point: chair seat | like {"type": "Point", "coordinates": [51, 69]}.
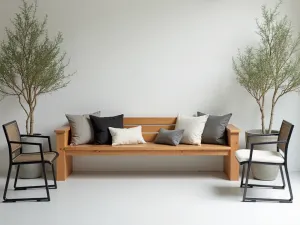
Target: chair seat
{"type": "Point", "coordinates": [243, 155]}
{"type": "Point", "coordinates": [49, 157]}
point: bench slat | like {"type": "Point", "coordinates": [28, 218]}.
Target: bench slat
{"type": "Point", "coordinates": [149, 120]}
{"type": "Point", "coordinates": [152, 128]}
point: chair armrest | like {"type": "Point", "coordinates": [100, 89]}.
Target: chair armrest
{"type": "Point", "coordinates": [263, 135]}
{"type": "Point", "coordinates": [25, 143]}
{"type": "Point", "coordinates": [262, 143]}
{"type": "Point", "coordinates": [39, 136]}
{"type": "Point", "coordinates": [35, 135]}
{"type": "Point", "coordinates": [268, 143]}
{"type": "Point", "coordinates": [30, 143]}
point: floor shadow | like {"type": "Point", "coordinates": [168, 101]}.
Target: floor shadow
{"type": "Point", "coordinates": [228, 191]}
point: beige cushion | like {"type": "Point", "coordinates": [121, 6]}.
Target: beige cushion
{"type": "Point", "coordinates": [81, 128]}
{"type": "Point", "coordinates": [35, 157]}
{"type": "Point", "coordinates": [193, 128]}
{"type": "Point", "coordinates": [126, 136]}
{"type": "Point", "coordinates": [243, 155]}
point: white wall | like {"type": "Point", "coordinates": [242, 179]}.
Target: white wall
{"type": "Point", "coordinates": [152, 58]}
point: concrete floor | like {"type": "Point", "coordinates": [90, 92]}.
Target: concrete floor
{"type": "Point", "coordinates": [149, 199]}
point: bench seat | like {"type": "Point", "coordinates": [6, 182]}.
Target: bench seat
{"type": "Point", "coordinates": [150, 127]}
{"type": "Point", "coordinates": [149, 148]}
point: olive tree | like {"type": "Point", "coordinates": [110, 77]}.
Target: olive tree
{"type": "Point", "coordinates": [31, 64]}
{"type": "Point", "coordinates": [273, 65]}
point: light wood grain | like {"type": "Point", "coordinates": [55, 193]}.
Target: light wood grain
{"type": "Point", "coordinates": [129, 152]}
{"type": "Point", "coordinates": [149, 120]}
{"type": "Point", "coordinates": [149, 137]}
{"type": "Point", "coordinates": [149, 146]}
{"type": "Point", "coordinates": [232, 129]}
{"type": "Point", "coordinates": [62, 130]}
{"type": "Point", "coordinates": [152, 128]}
{"type": "Point", "coordinates": [64, 163]}
{"type": "Point", "coordinates": [231, 165]}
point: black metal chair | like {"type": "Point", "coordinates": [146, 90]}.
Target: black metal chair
{"type": "Point", "coordinates": [17, 157]}
{"type": "Point", "coordinates": [251, 156]}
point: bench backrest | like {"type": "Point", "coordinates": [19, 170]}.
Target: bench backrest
{"type": "Point", "coordinates": [150, 125]}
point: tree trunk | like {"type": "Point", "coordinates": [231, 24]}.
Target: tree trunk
{"type": "Point", "coordinates": [27, 125]}
{"type": "Point", "coordinates": [262, 113]}
{"type": "Point", "coordinates": [272, 111]}
{"type": "Point", "coordinates": [31, 123]}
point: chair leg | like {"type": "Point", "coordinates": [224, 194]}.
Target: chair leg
{"type": "Point", "coordinates": [245, 199]}
{"type": "Point", "coordinates": [282, 178]}
{"type": "Point", "coordinates": [46, 182]}
{"type": "Point", "coordinates": [289, 184]}
{"type": "Point", "coordinates": [243, 174]}
{"type": "Point", "coordinates": [16, 177]}
{"type": "Point", "coordinates": [54, 176]}
{"type": "Point", "coordinates": [269, 186]}
{"type": "Point", "coordinates": [246, 183]}
{"type": "Point", "coordinates": [22, 188]}
{"type": "Point", "coordinates": [7, 182]}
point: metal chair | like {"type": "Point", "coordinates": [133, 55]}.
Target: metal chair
{"type": "Point", "coordinates": [17, 157]}
{"type": "Point", "coordinates": [250, 156]}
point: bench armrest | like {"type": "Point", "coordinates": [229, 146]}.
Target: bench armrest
{"type": "Point", "coordinates": [233, 136]}
{"type": "Point", "coordinates": [62, 130]}
{"type": "Point", "coordinates": [62, 137]}
{"type": "Point", "coordinates": [232, 129]}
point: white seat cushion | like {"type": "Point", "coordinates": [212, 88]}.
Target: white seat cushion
{"type": "Point", "coordinates": [243, 155]}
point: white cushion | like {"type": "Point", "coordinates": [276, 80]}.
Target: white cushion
{"type": "Point", "coordinates": [193, 128]}
{"type": "Point", "coordinates": [243, 155]}
{"type": "Point", "coordinates": [126, 136]}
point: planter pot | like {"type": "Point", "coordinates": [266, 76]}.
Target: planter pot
{"type": "Point", "coordinates": [31, 171]}
{"type": "Point", "coordinates": [259, 171]}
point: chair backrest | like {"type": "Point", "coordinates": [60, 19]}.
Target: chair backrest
{"type": "Point", "coordinates": [285, 133]}
{"type": "Point", "coordinates": [12, 133]}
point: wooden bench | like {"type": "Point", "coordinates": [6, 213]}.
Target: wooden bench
{"type": "Point", "coordinates": [150, 127]}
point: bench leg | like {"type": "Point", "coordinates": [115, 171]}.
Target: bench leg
{"type": "Point", "coordinates": [64, 162]}
{"type": "Point", "coordinates": [64, 166]}
{"type": "Point", "coordinates": [231, 165]}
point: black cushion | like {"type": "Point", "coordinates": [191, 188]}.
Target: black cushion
{"type": "Point", "coordinates": [215, 129]}
{"type": "Point", "coordinates": [100, 126]}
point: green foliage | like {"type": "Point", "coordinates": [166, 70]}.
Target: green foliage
{"type": "Point", "coordinates": [31, 63]}
{"type": "Point", "coordinates": [272, 65]}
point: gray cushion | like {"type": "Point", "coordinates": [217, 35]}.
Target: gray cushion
{"type": "Point", "coordinates": [169, 137]}
{"type": "Point", "coordinates": [215, 129]}
{"type": "Point", "coordinates": [81, 128]}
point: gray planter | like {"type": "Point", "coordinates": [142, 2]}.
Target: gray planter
{"type": "Point", "coordinates": [262, 172]}
{"type": "Point", "coordinates": [31, 171]}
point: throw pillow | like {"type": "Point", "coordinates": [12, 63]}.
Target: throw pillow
{"type": "Point", "coordinates": [81, 128]}
{"type": "Point", "coordinates": [127, 136]}
{"type": "Point", "coordinates": [193, 128]}
{"type": "Point", "coordinates": [215, 129]}
{"type": "Point", "coordinates": [169, 137]}
{"type": "Point", "coordinates": [101, 125]}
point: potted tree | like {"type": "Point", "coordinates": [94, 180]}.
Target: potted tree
{"type": "Point", "coordinates": [31, 64]}
{"type": "Point", "coordinates": [271, 66]}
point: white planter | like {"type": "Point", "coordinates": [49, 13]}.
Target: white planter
{"type": "Point", "coordinates": [259, 171]}
{"type": "Point", "coordinates": [30, 171]}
